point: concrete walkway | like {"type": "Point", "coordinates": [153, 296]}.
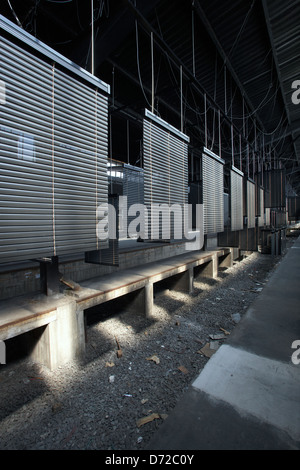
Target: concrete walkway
{"type": "Point", "coordinates": [248, 394]}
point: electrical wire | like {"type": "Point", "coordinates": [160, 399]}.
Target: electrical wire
{"type": "Point", "coordinates": [261, 104]}
{"type": "Point", "coordinates": [138, 63]}
{"type": "Point", "coordinates": [241, 29]}
{"type": "Point", "coordinates": [78, 16]}
{"type": "Point", "coordinates": [59, 1]}
{"type": "Point", "coordinates": [14, 13]}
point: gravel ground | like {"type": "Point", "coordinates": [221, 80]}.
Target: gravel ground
{"type": "Point", "coordinates": [104, 401]}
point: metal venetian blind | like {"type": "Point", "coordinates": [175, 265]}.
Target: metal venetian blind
{"type": "Point", "coordinates": [236, 200]}
{"type": "Point", "coordinates": [261, 218]}
{"type": "Point", "coordinates": [26, 228]}
{"type": "Point", "coordinates": [274, 183]}
{"type": "Point", "coordinates": [53, 157]}
{"type": "Point", "coordinates": [133, 187]}
{"type": "Point", "coordinates": [293, 206]}
{"type": "Point", "coordinates": [80, 168]}
{"type": "Point", "coordinates": [165, 171]}
{"type": "Point", "coordinates": [250, 204]}
{"type": "Point", "coordinates": [213, 189]}
{"type": "Point", "coordinates": [267, 216]}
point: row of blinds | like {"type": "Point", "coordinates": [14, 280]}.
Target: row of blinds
{"type": "Point", "coordinates": [165, 177]}
{"type": "Point", "coordinates": [250, 204]}
{"type": "Point", "coordinates": [213, 189]}
{"type": "Point", "coordinates": [53, 147]}
{"type": "Point", "coordinates": [236, 202]}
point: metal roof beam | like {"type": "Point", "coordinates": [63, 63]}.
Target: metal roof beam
{"type": "Point", "coordinates": [164, 47]}
{"type": "Point", "coordinates": [269, 28]}
{"type": "Point", "coordinates": [203, 18]}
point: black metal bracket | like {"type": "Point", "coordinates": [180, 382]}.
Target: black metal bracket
{"type": "Point", "coordinates": [49, 275]}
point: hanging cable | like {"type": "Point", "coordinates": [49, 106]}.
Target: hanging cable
{"type": "Point", "coordinates": [241, 29]}
{"type": "Point", "coordinates": [220, 146]}
{"type": "Point", "coordinates": [14, 13]}
{"type": "Point", "coordinates": [181, 102]}
{"type": "Point", "coordinates": [205, 120]}
{"type": "Point", "coordinates": [232, 148]}
{"type": "Point", "coordinates": [96, 157]}
{"type": "Point", "coordinates": [113, 87]}
{"type": "Point", "coordinates": [193, 39]}
{"type": "Point", "coordinates": [241, 168]}
{"type": "Point", "coordinates": [138, 63]}
{"type": "Point", "coordinates": [92, 37]}
{"type": "Point", "coordinates": [215, 96]}
{"type": "Point", "coordinates": [225, 91]}
{"type": "Point", "coordinates": [128, 142]}
{"type": "Point", "coordinates": [152, 74]}
{"type": "Point", "coordinates": [59, 1]}
{"type": "Point", "coordinates": [53, 157]}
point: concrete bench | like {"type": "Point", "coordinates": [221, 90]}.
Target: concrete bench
{"type": "Point", "coordinates": [61, 318]}
{"type": "Point", "coordinates": [55, 319]}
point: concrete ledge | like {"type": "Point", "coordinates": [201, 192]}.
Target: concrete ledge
{"type": "Point", "coordinates": [63, 336]}
{"type": "Point", "coordinates": [102, 289]}
{"type": "Point", "coordinates": [22, 314]}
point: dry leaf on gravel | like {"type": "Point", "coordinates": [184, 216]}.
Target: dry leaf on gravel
{"type": "Point", "coordinates": [154, 358]}
{"type": "Point", "coordinates": [147, 419]}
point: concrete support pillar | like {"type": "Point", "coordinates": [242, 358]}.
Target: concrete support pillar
{"type": "Point", "coordinates": [184, 282]}
{"type": "Point", "coordinates": [61, 340]}
{"type": "Point", "coordinates": [141, 301]}
{"type": "Point", "coordinates": [148, 299]}
{"type": "Point", "coordinates": [209, 269]}
{"type": "Point", "coordinates": [226, 261]}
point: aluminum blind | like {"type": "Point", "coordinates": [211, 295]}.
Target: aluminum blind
{"type": "Point", "coordinates": [274, 183]}
{"type": "Point", "coordinates": [80, 163]}
{"type": "Point", "coordinates": [293, 206]}
{"type": "Point", "coordinates": [261, 218]}
{"type": "Point", "coordinates": [213, 189]}
{"type": "Point", "coordinates": [236, 199]}
{"type": "Point", "coordinates": [133, 188]}
{"type": "Point", "coordinates": [53, 153]}
{"type": "Point", "coordinates": [165, 171]}
{"type": "Point", "coordinates": [267, 216]}
{"type": "Point", "coordinates": [250, 204]}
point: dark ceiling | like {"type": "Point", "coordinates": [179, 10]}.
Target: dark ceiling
{"type": "Point", "coordinates": [223, 71]}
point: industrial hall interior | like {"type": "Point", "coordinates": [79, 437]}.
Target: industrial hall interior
{"type": "Point", "coordinates": [151, 146]}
